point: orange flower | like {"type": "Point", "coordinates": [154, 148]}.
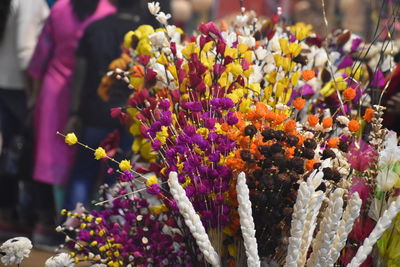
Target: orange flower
{"type": "Point", "coordinates": [279, 119]}
{"type": "Point", "coordinates": [225, 127]}
{"type": "Point", "coordinates": [312, 120]}
{"type": "Point", "coordinates": [137, 71]}
{"type": "Point", "coordinates": [369, 114]}
{"type": "Point", "coordinates": [270, 116]}
{"type": "Point", "coordinates": [327, 122]}
{"type": "Point", "coordinates": [299, 103]}
{"type": "Point", "coordinates": [333, 142]}
{"type": "Point", "coordinates": [354, 126]}
{"type": "Point", "coordinates": [261, 109]}
{"type": "Point", "coordinates": [301, 140]}
{"type": "Point", "coordinates": [349, 94]}
{"type": "Point", "coordinates": [308, 74]}
{"type": "Point", "coordinates": [310, 164]}
{"type": "Point", "coordinates": [290, 126]}
{"type": "Point", "coordinates": [289, 151]}
{"type": "Point", "coordinates": [252, 115]}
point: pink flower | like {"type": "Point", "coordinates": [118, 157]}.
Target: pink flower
{"type": "Point", "coordinates": [362, 227]}
{"type": "Point", "coordinates": [210, 27]}
{"type": "Point", "coordinates": [361, 187]}
{"type": "Point", "coordinates": [361, 155]}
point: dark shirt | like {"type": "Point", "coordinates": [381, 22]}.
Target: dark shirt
{"type": "Point", "coordinates": [99, 46]}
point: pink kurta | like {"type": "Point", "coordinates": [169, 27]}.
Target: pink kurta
{"type": "Point", "coordinates": [53, 62]}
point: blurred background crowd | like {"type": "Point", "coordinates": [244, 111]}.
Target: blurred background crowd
{"type": "Point", "coordinates": [53, 55]}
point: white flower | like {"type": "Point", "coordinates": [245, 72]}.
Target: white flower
{"type": "Point", "coordinates": [229, 37]}
{"type": "Point", "coordinates": [15, 249]}
{"type": "Point", "coordinates": [98, 265]}
{"type": "Point", "coordinates": [386, 179]}
{"type": "Point", "coordinates": [158, 40]}
{"type": "Point", "coordinates": [343, 120]}
{"type": "Point", "coordinates": [261, 53]}
{"type": "Point", "coordinates": [320, 58]}
{"type": "Point", "coordinates": [391, 153]}
{"type": "Point", "coordinates": [60, 260]}
{"type": "Point", "coordinates": [154, 7]}
{"type": "Point", "coordinates": [173, 34]}
{"type": "Point", "coordinates": [242, 20]}
{"type": "Point", "coordinates": [280, 106]}
{"type": "Point", "coordinates": [162, 18]}
{"type": "Point", "coordinates": [249, 41]}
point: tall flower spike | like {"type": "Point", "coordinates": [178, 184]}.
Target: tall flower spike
{"type": "Point", "coordinates": [247, 222]}
{"type": "Point", "coordinates": [345, 226]}
{"type": "Point", "coordinates": [382, 225]}
{"type": "Point", "coordinates": [298, 219]}
{"type": "Point", "coordinates": [192, 220]}
{"type": "Point", "coordinates": [323, 241]}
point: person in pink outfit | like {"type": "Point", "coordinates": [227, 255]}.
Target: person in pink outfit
{"type": "Point", "coordinates": [51, 68]}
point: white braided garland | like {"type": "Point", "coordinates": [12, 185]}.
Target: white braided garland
{"type": "Point", "coordinates": [298, 219]}
{"type": "Point", "coordinates": [382, 225]}
{"type": "Point", "coordinates": [323, 242]}
{"type": "Point", "coordinates": [192, 220]}
{"type": "Point", "coordinates": [345, 226]}
{"type": "Point", "coordinates": [246, 222]}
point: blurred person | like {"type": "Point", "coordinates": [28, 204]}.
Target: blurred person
{"type": "Point", "coordinates": [99, 46]}
{"type": "Point", "coordinates": [20, 24]}
{"type": "Point", "coordinates": [51, 68]}
{"type": "Point", "coordinates": [50, 2]}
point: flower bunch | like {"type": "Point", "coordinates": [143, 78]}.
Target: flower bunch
{"type": "Point", "coordinates": [128, 230]}
{"type": "Point", "coordinates": [288, 109]}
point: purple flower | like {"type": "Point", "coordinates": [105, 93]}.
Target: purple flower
{"type": "Point", "coordinates": [153, 189]}
{"type": "Point", "coordinates": [156, 145]}
{"type": "Point", "coordinates": [126, 176]}
{"type": "Point", "coordinates": [378, 79]}
{"type": "Point", "coordinates": [355, 44]}
{"type": "Point", "coordinates": [232, 119]}
{"type": "Point", "coordinates": [347, 61]}
{"type": "Point", "coordinates": [166, 118]}
{"type": "Point", "coordinates": [189, 130]}
{"type": "Point", "coordinates": [209, 123]}
{"type": "Point", "coordinates": [194, 106]}
{"type": "Point", "coordinates": [214, 157]}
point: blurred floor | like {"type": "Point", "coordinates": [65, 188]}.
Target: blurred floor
{"type": "Point", "coordinates": [38, 258]}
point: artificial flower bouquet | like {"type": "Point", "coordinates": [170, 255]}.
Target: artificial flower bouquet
{"type": "Point", "coordinates": [265, 148]}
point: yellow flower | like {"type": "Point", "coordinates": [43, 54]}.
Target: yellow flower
{"type": "Point", "coordinates": [245, 105]}
{"type": "Point", "coordinates": [255, 87]}
{"type": "Point", "coordinates": [162, 135]}
{"type": "Point", "coordinates": [301, 30]}
{"type": "Point", "coordinates": [162, 60]}
{"type": "Point", "coordinates": [284, 44]}
{"type": "Point", "coordinates": [232, 52]}
{"type": "Point", "coordinates": [295, 78]}
{"type": "Point", "coordinates": [144, 47]}
{"type": "Point", "coordinates": [151, 180]}
{"type": "Point", "coordinates": [71, 139]}
{"type": "Point", "coordinates": [190, 49]}
{"type": "Point", "coordinates": [207, 47]}
{"type": "Point", "coordinates": [100, 153]}
{"type": "Point", "coordinates": [128, 39]}
{"type": "Point", "coordinates": [242, 48]}
{"type": "Point", "coordinates": [235, 69]}
{"type": "Point", "coordinates": [125, 165]}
